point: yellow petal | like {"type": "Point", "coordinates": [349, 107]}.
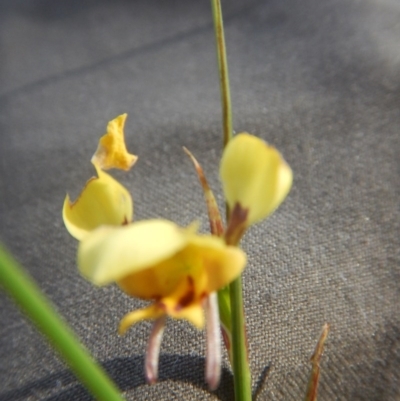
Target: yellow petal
{"type": "Point", "coordinates": [255, 176]}
{"type": "Point", "coordinates": [111, 253]}
{"type": "Point", "coordinates": [222, 263]}
{"type": "Point", "coordinates": [192, 313]}
{"type": "Point", "coordinates": [205, 260]}
{"type": "Point", "coordinates": [102, 201]}
{"type": "Point", "coordinates": [186, 302]}
{"type": "Point", "coordinates": [111, 152]}
{"type": "Point", "coordinates": [156, 281]}
{"type": "Point", "coordinates": [131, 318]}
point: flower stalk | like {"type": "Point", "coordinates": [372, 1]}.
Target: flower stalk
{"type": "Point", "coordinates": [241, 369]}
{"type": "Point", "coordinates": [223, 72]}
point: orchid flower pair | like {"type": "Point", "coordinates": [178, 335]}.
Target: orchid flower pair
{"type": "Point", "coordinates": [176, 268]}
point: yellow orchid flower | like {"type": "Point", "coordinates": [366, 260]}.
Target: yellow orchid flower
{"type": "Point", "coordinates": [256, 180]}
{"type": "Point", "coordinates": [175, 268]}
{"type": "Point", "coordinates": [159, 261]}
{"type": "Point", "coordinates": [103, 201]}
{"type": "Point", "coordinates": [155, 260]}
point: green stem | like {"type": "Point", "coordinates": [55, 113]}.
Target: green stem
{"type": "Point", "coordinates": [241, 369]}
{"type": "Point", "coordinates": [223, 71]}
{"type": "Point", "coordinates": [31, 300]}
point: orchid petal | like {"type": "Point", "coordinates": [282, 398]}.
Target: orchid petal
{"type": "Point", "coordinates": [254, 176]}
{"type": "Point", "coordinates": [111, 152]}
{"type": "Point", "coordinates": [112, 253]}
{"type": "Point", "coordinates": [192, 313]}
{"type": "Point", "coordinates": [222, 263]}
{"type": "Point", "coordinates": [102, 201]}
{"type": "Point", "coordinates": [131, 318]}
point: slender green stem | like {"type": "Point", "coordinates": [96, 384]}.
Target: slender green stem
{"type": "Point", "coordinates": [31, 300]}
{"type": "Point", "coordinates": [241, 369]}
{"type": "Point", "coordinates": [223, 71]}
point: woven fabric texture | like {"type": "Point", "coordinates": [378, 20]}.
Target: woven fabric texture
{"type": "Point", "coordinates": [319, 79]}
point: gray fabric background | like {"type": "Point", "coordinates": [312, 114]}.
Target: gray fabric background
{"type": "Point", "coordinates": [319, 79]}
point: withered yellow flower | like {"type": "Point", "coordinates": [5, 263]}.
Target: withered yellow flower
{"type": "Point", "coordinates": [111, 152]}
{"type": "Point", "coordinates": [159, 261]}
{"type": "Point", "coordinates": [255, 178]}
{"type": "Point", "coordinates": [103, 201]}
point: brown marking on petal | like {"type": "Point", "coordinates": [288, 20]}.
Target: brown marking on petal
{"type": "Point", "coordinates": [125, 222]}
{"type": "Point", "coordinates": [188, 297]}
{"type": "Point", "coordinates": [162, 306]}
{"type": "Point", "coordinates": [203, 295]}
{"type": "Point", "coordinates": [237, 224]}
